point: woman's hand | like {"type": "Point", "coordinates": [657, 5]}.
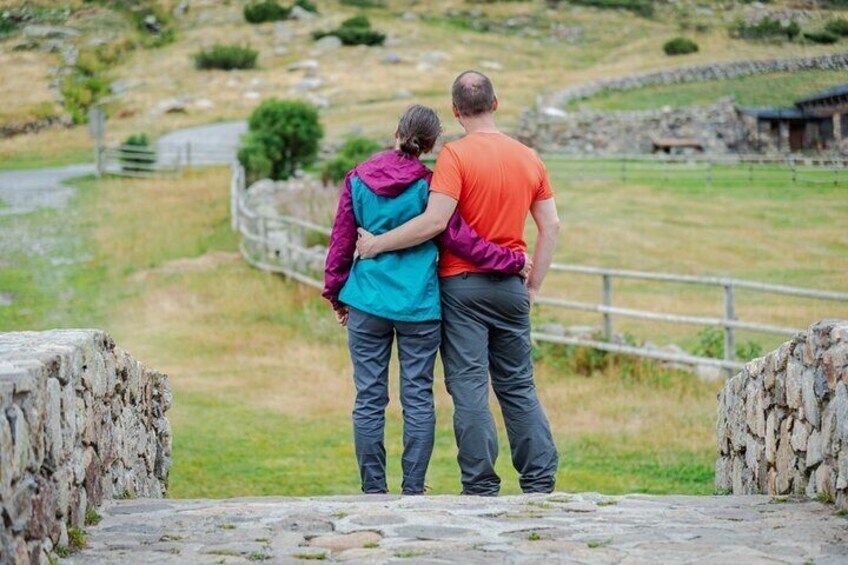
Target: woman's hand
{"type": "Point", "coordinates": [528, 267]}
{"type": "Point", "coordinates": [366, 245]}
{"type": "Point", "coordinates": [342, 315]}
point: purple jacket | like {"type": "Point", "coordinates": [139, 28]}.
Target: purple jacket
{"type": "Point", "coordinates": [388, 174]}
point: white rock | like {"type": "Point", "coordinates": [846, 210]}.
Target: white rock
{"type": "Point", "coordinates": [328, 43]}
{"type": "Point", "coordinates": [300, 14]}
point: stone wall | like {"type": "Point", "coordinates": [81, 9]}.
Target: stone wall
{"type": "Point", "coordinates": [697, 73]}
{"type": "Point", "coordinates": [81, 422]}
{"type": "Point", "coordinates": [783, 421]}
{"type": "Point", "coordinates": [719, 127]}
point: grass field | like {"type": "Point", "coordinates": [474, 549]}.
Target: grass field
{"type": "Point", "coordinates": [261, 374]}
{"type": "Point", "coordinates": [362, 92]}
{"type": "Point", "coordinates": [775, 89]}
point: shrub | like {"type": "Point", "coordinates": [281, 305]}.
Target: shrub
{"type": "Point", "coordinates": [307, 5]}
{"type": "Point", "coordinates": [680, 46]}
{"type": "Point", "coordinates": [641, 7]}
{"type": "Point", "coordinates": [265, 11]}
{"type": "Point", "coordinates": [360, 20]}
{"type": "Point", "coordinates": [138, 155]}
{"type": "Point", "coordinates": [353, 151]}
{"type": "Point", "coordinates": [363, 3]}
{"type": "Point", "coordinates": [355, 31]}
{"type": "Point", "coordinates": [226, 58]}
{"type": "Point", "coordinates": [80, 92]}
{"type": "Point", "coordinates": [282, 136]}
{"type": "Point", "coordinates": [837, 27]}
{"type": "Point", "coordinates": [823, 37]}
{"type": "Point", "coordinates": [766, 28]}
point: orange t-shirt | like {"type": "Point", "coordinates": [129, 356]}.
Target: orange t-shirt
{"type": "Point", "coordinates": [495, 179]}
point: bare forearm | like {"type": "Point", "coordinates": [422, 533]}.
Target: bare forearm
{"type": "Point", "coordinates": [543, 254]}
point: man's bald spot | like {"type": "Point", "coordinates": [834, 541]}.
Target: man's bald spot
{"type": "Point", "coordinates": [473, 94]}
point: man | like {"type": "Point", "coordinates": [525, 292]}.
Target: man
{"type": "Point", "coordinates": [495, 181]}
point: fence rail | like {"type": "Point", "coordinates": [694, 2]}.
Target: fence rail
{"type": "Point", "coordinates": [708, 168]}
{"type": "Point", "coordinates": [278, 244]}
{"type": "Point", "coordinates": [168, 159]}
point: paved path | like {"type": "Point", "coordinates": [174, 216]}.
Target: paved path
{"type": "Point", "coordinates": [212, 144]}
{"type": "Point", "coordinates": [29, 190]}
{"type": "Point", "coordinates": [559, 528]}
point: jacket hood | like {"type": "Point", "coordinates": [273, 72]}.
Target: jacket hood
{"type": "Point", "coordinates": [389, 173]}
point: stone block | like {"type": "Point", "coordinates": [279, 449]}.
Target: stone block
{"type": "Point", "coordinates": [794, 370]}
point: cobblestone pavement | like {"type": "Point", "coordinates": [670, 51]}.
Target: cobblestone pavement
{"type": "Point", "coordinates": [557, 528]}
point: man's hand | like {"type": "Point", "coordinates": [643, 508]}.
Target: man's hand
{"type": "Point", "coordinates": [532, 293]}
{"type": "Point", "coordinates": [528, 267]}
{"type": "Point", "coordinates": [342, 314]}
{"type": "Point", "coordinates": [366, 245]}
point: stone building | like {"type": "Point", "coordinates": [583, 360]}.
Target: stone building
{"type": "Point", "coordinates": [816, 122]}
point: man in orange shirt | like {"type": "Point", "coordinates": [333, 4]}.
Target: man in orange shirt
{"type": "Point", "coordinates": [494, 181]}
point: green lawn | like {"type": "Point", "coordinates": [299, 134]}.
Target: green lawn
{"type": "Point", "coordinates": [774, 89]}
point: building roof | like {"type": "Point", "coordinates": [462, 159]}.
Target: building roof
{"type": "Point", "coordinates": [841, 90]}
{"type": "Point", "coordinates": [775, 113]}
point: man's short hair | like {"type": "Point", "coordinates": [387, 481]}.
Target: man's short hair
{"type": "Point", "coordinates": [473, 94]}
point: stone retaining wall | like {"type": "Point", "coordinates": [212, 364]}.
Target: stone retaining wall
{"type": "Point", "coordinates": [783, 421]}
{"type": "Point", "coordinates": [81, 422]}
{"type": "Point", "coordinates": [718, 127]}
{"type": "Point", "coordinates": [697, 73]}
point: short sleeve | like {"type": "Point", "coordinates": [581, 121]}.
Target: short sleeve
{"type": "Point", "coordinates": [447, 176]}
{"type": "Point", "coordinates": [544, 190]}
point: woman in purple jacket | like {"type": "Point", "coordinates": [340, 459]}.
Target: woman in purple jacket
{"type": "Point", "coordinates": [396, 294]}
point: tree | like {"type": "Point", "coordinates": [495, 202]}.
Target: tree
{"type": "Point", "coordinates": [283, 135]}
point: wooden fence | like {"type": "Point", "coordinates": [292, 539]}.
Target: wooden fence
{"type": "Point", "coordinates": [282, 245]}
{"type": "Point", "coordinates": [740, 169]}
{"type": "Point", "coordinates": [158, 160]}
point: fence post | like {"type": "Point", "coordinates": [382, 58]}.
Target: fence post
{"type": "Point", "coordinates": [729, 314]}
{"type": "Point", "coordinates": [263, 237]}
{"type": "Point", "coordinates": [234, 197]}
{"type": "Point", "coordinates": [607, 298]}
{"type": "Point", "coordinates": [188, 154]}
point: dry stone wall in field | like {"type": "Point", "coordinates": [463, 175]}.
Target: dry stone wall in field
{"type": "Point", "coordinates": [719, 127]}
{"type": "Point", "coordinates": [783, 421]}
{"type": "Point", "coordinates": [81, 422]}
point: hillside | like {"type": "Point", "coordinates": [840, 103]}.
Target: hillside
{"type": "Point", "coordinates": [528, 47]}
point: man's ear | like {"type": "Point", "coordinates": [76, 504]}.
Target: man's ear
{"type": "Point", "coordinates": [456, 113]}
{"type": "Point", "coordinates": [495, 105]}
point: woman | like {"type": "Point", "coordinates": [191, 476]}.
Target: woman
{"type": "Point", "coordinates": [396, 294]}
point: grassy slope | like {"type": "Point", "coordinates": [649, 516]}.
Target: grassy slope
{"type": "Point", "coordinates": [776, 89]}
{"type": "Point", "coordinates": [361, 89]}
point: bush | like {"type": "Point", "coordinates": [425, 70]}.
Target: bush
{"type": "Point", "coordinates": [138, 156]}
{"type": "Point", "coordinates": [226, 58]}
{"type": "Point", "coordinates": [80, 93]}
{"type": "Point", "coordinates": [823, 37]}
{"type": "Point", "coordinates": [363, 3]}
{"type": "Point", "coordinates": [641, 7]}
{"type": "Point", "coordinates": [307, 5]}
{"type": "Point", "coordinates": [680, 46]}
{"type": "Point", "coordinates": [360, 20]}
{"type": "Point", "coordinates": [837, 27]}
{"type": "Point", "coordinates": [355, 31]}
{"type": "Point", "coordinates": [766, 28]}
{"type": "Point", "coordinates": [266, 11]}
{"type": "Point", "coordinates": [353, 151]}
{"type": "Point", "coordinates": [282, 136]}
